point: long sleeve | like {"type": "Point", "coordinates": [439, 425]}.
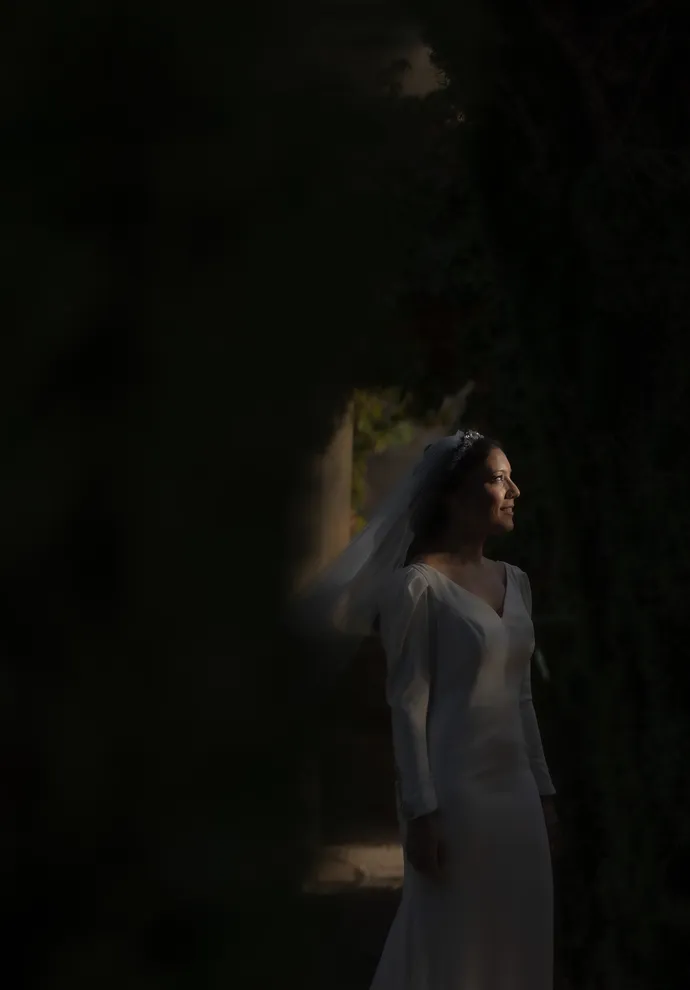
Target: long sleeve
{"type": "Point", "coordinates": [530, 725]}
{"type": "Point", "coordinates": [406, 635]}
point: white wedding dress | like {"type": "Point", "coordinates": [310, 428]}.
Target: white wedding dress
{"type": "Point", "coordinates": [467, 744]}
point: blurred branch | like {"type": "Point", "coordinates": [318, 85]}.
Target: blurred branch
{"type": "Point", "coordinates": [559, 23]}
{"type": "Point", "coordinates": [655, 49]}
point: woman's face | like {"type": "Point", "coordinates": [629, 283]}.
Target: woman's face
{"type": "Point", "coordinates": [485, 503]}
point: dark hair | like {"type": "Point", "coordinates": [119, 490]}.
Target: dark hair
{"type": "Point", "coordinates": [429, 517]}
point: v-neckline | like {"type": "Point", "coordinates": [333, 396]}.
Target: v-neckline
{"type": "Point", "coordinates": [499, 615]}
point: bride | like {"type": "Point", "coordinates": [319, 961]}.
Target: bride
{"type": "Point", "coordinates": [475, 796]}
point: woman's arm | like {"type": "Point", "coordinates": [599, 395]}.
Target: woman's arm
{"type": "Point", "coordinates": [406, 637]}
{"type": "Point", "coordinates": [530, 725]}
{"type": "Point", "coordinates": [535, 749]}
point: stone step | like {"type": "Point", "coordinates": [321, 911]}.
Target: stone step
{"type": "Point", "coordinates": [357, 866]}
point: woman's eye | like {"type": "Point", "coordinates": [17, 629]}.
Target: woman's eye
{"type": "Point", "coordinates": [499, 477]}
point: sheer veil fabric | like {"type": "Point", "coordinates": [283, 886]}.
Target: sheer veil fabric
{"type": "Point", "coordinates": [338, 610]}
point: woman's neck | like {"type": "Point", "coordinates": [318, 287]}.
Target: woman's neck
{"type": "Point", "coordinates": [459, 552]}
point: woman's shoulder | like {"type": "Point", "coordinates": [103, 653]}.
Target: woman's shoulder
{"type": "Point", "coordinates": [521, 579]}
{"type": "Point", "coordinates": [406, 584]}
{"type": "Point", "coordinates": [513, 569]}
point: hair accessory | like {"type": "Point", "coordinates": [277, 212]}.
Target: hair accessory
{"type": "Point", "coordinates": [465, 440]}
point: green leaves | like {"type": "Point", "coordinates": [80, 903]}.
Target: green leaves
{"type": "Point", "coordinates": [381, 420]}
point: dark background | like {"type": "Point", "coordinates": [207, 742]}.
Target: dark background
{"type": "Point", "coordinates": [215, 224]}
